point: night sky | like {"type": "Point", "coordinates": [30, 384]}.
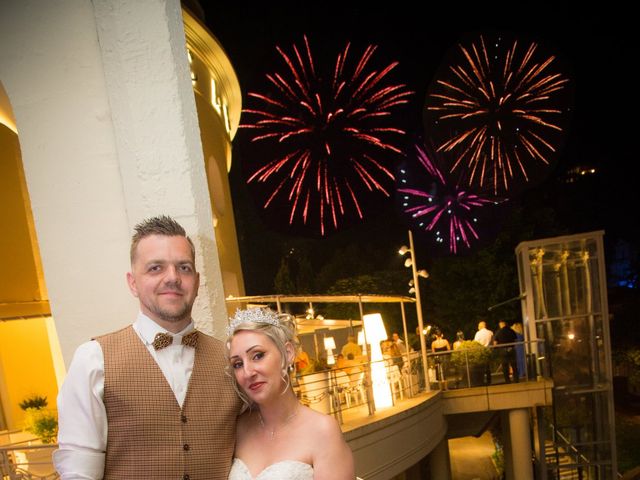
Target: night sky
{"type": "Point", "coordinates": [595, 51]}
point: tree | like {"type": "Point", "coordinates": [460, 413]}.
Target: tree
{"type": "Point", "coordinates": [282, 281]}
{"type": "Point", "coordinates": [461, 289]}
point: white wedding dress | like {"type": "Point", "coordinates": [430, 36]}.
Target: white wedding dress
{"type": "Point", "coordinates": [285, 470]}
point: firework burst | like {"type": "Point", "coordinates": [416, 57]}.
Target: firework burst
{"type": "Point", "coordinates": [498, 111]}
{"type": "Point", "coordinates": [440, 207]}
{"type": "Point", "coordinates": [330, 136]}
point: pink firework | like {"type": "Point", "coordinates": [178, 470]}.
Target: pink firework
{"type": "Point", "coordinates": [441, 207]}
{"type": "Point", "coordinates": [331, 134]}
{"type": "Point", "coordinates": [498, 111]}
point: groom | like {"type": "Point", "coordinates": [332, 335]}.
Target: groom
{"type": "Point", "coordinates": [151, 400]}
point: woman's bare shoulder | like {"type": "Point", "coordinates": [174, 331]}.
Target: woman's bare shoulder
{"type": "Point", "coordinates": [321, 421]}
{"type": "Point", "coordinates": [331, 456]}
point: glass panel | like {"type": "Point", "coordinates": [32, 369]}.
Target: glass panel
{"type": "Point", "coordinates": [569, 315]}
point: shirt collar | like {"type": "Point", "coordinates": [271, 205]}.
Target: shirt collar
{"type": "Point", "coordinates": [148, 329]}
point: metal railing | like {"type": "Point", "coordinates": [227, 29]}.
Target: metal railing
{"type": "Point", "coordinates": [472, 367]}
{"type": "Point", "coordinates": [347, 394]}
{"type": "Point", "coordinates": [27, 461]}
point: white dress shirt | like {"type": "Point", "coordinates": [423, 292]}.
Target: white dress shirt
{"type": "Point", "coordinates": [82, 435]}
{"type": "Point", "coordinates": [484, 336]}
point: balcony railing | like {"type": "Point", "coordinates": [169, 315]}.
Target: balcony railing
{"type": "Point", "coordinates": [26, 460]}
{"type": "Point", "coordinates": [347, 393]}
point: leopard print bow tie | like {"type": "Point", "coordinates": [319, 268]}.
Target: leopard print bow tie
{"type": "Point", "coordinates": [163, 340]}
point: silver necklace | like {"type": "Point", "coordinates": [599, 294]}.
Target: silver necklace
{"type": "Point", "coordinates": [272, 432]}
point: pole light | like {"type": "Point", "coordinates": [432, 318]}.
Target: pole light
{"type": "Point", "coordinates": [411, 262]}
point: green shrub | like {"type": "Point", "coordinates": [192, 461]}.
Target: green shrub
{"type": "Point", "coordinates": [42, 423]}
{"type": "Point", "coordinates": [473, 352]}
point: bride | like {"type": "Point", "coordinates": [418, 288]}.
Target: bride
{"type": "Point", "coordinates": [276, 436]}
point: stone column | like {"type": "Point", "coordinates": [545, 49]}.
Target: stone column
{"type": "Point", "coordinates": [439, 461]}
{"type": "Point", "coordinates": [506, 446]}
{"type": "Point", "coordinates": [520, 433]}
{"type": "Point", "coordinates": [107, 125]}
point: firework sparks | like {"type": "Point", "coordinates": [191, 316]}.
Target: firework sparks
{"type": "Point", "coordinates": [331, 134]}
{"type": "Point", "coordinates": [443, 208]}
{"type": "Point", "coordinates": [497, 112]}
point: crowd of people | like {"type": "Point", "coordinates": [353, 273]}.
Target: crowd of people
{"type": "Point", "coordinates": [507, 342]}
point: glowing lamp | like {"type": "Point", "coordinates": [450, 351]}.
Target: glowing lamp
{"type": "Point", "coordinates": [329, 346]}
{"type": "Point", "coordinates": [376, 332]}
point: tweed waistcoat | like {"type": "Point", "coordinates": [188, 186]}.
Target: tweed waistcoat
{"type": "Point", "coordinates": [149, 435]}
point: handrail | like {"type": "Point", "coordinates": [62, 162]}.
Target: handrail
{"type": "Point", "coordinates": [15, 464]}
{"type": "Point", "coordinates": [351, 394]}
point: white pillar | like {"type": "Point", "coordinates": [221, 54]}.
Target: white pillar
{"type": "Point", "coordinates": [506, 446]}
{"type": "Point", "coordinates": [157, 137]}
{"type": "Point", "coordinates": [108, 130]}
{"type": "Point", "coordinates": [520, 433]}
{"type": "Point", "coordinates": [439, 461]}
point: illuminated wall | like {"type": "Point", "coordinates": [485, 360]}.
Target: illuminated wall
{"type": "Point", "coordinates": [104, 105]}
{"type": "Point", "coordinates": [27, 333]}
{"type": "Point", "coordinates": [26, 366]}
{"type": "Point", "coordinates": [20, 276]}
{"type": "Point", "coordinates": [218, 102]}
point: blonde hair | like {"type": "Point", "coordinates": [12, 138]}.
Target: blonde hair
{"type": "Point", "coordinates": [279, 328]}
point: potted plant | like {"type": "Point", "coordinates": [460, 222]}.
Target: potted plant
{"type": "Point", "coordinates": [474, 356]}
{"type": "Point", "coordinates": [39, 420]}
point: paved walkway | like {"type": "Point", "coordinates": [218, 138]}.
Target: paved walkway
{"type": "Point", "coordinates": [471, 458]}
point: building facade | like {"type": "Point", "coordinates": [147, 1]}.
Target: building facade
{"type": "Point", "coordinates": [110, 112]}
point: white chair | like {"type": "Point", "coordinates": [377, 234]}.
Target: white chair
{"type": "Point", "coordinates": [343, 385]}
{"type": "Point", "coordinates": [357, 389]}
{"type": "Point", "coordinates": [395, 379]}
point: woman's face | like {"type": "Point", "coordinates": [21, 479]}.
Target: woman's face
{"type": "Point", "coordinates": [257, 365]}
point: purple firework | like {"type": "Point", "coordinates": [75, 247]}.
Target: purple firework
{"type": "Point", "coordinates": [443, 208]}
{"type": "Point", "coordinates": [331, 134]}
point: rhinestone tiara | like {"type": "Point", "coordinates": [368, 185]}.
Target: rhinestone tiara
{"type": "Point", "coordinates": [252, 315]}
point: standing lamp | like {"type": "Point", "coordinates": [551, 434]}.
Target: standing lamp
{"type": "Point", "coordinates": [329, 346]}
{"type": "Point", "coordinates": [376, 332]}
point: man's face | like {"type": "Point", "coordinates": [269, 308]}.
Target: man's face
{"type": "Point", "coordinates": [482, 325]}
{"type": "Point", "coordinates": [395, 337]}
{"type": "Point", "coordinates": [164, 279]}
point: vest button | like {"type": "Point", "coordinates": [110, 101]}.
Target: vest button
{"type": "Point", "coordinates": [183, 418]}
{"type": "Point", "coordinates": [185, 447]}
{"type": "Point", "coordinates": [185, 477]}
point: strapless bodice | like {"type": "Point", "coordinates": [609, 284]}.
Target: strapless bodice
{"type": "Point", "coordinates": [284, 470]}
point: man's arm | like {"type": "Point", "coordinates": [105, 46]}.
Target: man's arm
{"type": "Point", "coordinates": [82, 435]}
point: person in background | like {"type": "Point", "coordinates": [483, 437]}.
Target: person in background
{"type": "Point", "coordinates": [351, 347]}
{"type": "Point", "coordinates": [302, 360]}
{"type": "Point", "coordinates": [395, 338]}
{"type": "Point", "coordinates": [456, 345]}
{"type": "Point", "coordinates": [459, 339]}
{"type": "Point", "coordinates": [505, 335]}
{"type": "Point", "coordinates": [484, 337]}
{"type": "Point", "coordinates": [415, 344]}
{"type": "Point", "coordinates": [520, 358]}
{"type": "Point", "coordinates": [340, 362]}
{"type": "Point", "coordinates": [440, 344]}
